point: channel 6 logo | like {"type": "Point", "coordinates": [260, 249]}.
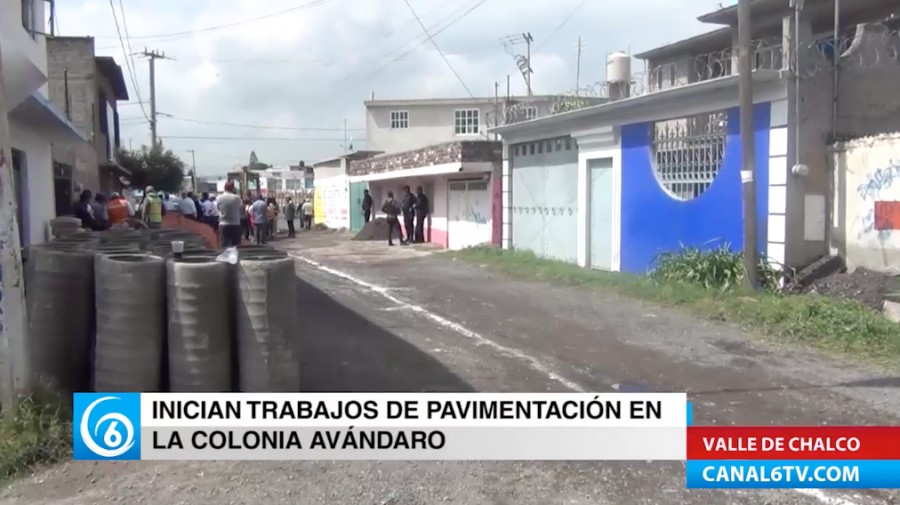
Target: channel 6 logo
{"type": "Point", "coordinates": [106, 426]}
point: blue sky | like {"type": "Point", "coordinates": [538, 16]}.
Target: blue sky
{"type": "Point", "coordinates": [310, 63]}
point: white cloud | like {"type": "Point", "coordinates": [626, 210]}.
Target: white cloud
{"type": "Point", "coordinates": [311, 67]}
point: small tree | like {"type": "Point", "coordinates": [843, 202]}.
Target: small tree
{"type": "Point", "coordinates": [155, 167]}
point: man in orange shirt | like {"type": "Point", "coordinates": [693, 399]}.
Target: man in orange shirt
{"type": "Point", "coordinates": [118, 209]}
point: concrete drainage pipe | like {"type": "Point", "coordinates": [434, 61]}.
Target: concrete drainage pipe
{"type": "Point", "coordinates": [200, 329]}
{"type": "Point", "coordinates": [131, 322]}
{"type": "Point", "coordinates": [266, 311]}
{"type": "Point", "coordinates": [60, 306]}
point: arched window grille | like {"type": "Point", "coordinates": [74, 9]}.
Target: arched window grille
{"type": "Point", "coordinates": [687, 152]}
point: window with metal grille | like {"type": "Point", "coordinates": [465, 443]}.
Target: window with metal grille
{"type": "Point", "coordinates": [529, 113]}
{"type": "Point", "coordinates": [466, 121]}
{"type": "Point", "coordinates": [399, 119]}
{"type": "Point", "coordinates": [687, 153]}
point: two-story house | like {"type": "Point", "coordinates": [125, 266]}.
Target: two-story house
{"type": "Point", "coordinates": [87, 87]}
{"type": "Point", "coordinates": [443, 145]}
{"type": "Point", "coordinates": [662, 168]}
{"type": "Point", "coordinates": [35, 123]}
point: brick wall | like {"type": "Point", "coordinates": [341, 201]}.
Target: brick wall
{"type": "Point", "coordinates": [451, 152]}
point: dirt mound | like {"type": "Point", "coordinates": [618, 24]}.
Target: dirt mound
{"type": "Point", "coordinates": [376, 229]}
{"type": "Point", "coordinates": [865, 286]}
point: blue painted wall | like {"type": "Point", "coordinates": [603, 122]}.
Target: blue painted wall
{"type": "Point", "coordinates": [654, 222]}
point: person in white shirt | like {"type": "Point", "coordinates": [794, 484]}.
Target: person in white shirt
{"type": "Point", "coordinates": [210, 212]}
{"type": "Point", "coordinates": [188, 207]}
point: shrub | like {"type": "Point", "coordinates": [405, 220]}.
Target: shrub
{"type": "Point", "coordinates": [719, 268]}
{"type": "Point", "coordinates": [39, 433]}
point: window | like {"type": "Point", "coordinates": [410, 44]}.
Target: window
{"type": "Point", "coordinates": [399, 119]}
{"type": "Point", "coordinates": [530, 113]}
{"type": "Point", "coordinates": [28, 21]}
{"type": "Point", "coordinates": [688, 152]}
{"type": "Point", "coordinates": [466, 121]}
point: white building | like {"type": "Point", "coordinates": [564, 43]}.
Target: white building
{"type": "Point", "coordinates": [34, 122]}
{"type": "Point", "coordinates": [394, 126]}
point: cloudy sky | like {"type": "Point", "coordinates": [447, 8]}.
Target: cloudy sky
{"type": "Point", "coordinates": [281, 76]}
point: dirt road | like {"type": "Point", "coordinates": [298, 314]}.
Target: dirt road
{"type": "Point", "coordinates": [407, 320]}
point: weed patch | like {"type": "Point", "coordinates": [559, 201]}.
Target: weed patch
{"type": "Point", "coordinates": [705, 285]}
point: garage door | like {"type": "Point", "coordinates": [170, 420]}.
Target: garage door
{"type": "Point", "coordinates": [545, 198]}
{"type": "Point", "coordinates": [469, 214]}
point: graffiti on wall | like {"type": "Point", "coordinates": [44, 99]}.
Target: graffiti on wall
{"type": "Point", "coordinates": [880, 216]}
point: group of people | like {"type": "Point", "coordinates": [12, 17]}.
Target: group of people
{"type": "Point", "coordinates": [414, 208]}
{"type": "Point", "coordinates": [240, 218]}
{"type": "Point", "coordinates": [97, 212]}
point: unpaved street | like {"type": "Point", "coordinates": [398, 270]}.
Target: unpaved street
{"type": "Point", "coordinates": [407, 320]}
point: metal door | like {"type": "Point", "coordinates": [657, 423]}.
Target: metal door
{"type": "Point", "coordinates": [527, 202]}
{"type": "Point", "coordinates": [561, 206]}
{"type": "Point", "coordinates": [601, 216]}
{"type": "Point", "coordinates": [356, 213]}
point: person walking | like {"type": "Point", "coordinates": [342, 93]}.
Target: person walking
{"type": "Point", "coordinates": [407, 206]}
{"type": "Point", "coordinates": [152, 211]}
{"type": "Point", "coordinates": [187, 206]}
{"type": "Point", "coordinates": [118, 210]}
{"type": "Point", "coordinates": [271, 217]}
{"type": "Point", "coordinates": [307, 210]}
{"type": "Point", "coordinates": [101, 216]}
{"type": "Point", "coordinates": [290, 211]}
{"type": "Point", "coordinates": [392, 209]}
{"type": "Point", "coordinates": [423, 208]}
{"type": "Point", "coordinates": [231, 211]}
{"type": "Point", "coordinates": [366, 206]}
{"type": "Point", "coordinates": [259, 211]}
{"type": "Point", "coordinates": [246, 221]}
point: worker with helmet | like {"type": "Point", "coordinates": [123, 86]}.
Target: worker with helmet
{"type": "Point", "coordinates": [119, 209]}
{"type": "Point", "coordinates": [153, 209]}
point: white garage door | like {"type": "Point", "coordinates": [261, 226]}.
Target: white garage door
{"type": "Point", "coordinates": [470, 214]}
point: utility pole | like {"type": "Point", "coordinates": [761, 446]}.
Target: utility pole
{"type": "Point", "coordinates": [193, 171]}
{"type": "Point", "coordinates": [528, 40]}
{"type": "Point", "coordinates": [747, 144]}
{"type": "Point", "coordinates": [578, 69]}
{"type": "Point", "coordinates": [345, 136]}
{"type": "Point", "coordinates": [15, 375]}
{"type": "Point", "coordinates": [153, 56]}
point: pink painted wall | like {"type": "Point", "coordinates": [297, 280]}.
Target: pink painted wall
{"type": "Point", "coordinates": [436, 229]}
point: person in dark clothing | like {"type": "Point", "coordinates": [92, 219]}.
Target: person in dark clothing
{"type": "Point", "coordinates": [367, 206]}
{"type": "Point", "coordinates": [197, 206]}
{"type": "Point", "coordinates": [423, 208]}
{"type": "Point", "coordinates": [84, 212]}
{"type": "Point", "coordinates": [392, 210]}
{"type": "Point", "coordinates": [408, 207]}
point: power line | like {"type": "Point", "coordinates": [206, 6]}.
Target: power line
{"type": "Point", "coordinates": [439, 50]}
{"type": "Point", "coordinates": [357, 78]}
{"type": "Point", "coordinates": [188, 33]}
{"type": "Point", "coordinates": [260, 127]}
{"type": "Point", "coordinates": [561, 25]}
{"type": "Point", "coordinates": [128, 65]}
{"type": "Point", "coordinates": [304, 139]}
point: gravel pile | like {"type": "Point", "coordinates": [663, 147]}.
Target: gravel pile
{"type": "Point", "coordinates": [867, 287]}
{"type": "Point", "coordinates": [376, 229]}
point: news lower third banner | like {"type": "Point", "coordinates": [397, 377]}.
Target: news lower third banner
{"type": "Point", "coordinates": [835, 457]}
{"type": "Point", "coordinates": [380, 426]}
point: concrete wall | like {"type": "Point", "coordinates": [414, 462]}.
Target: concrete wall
{"type": "Point", "coordinates": [866, 105]}
{"type": "Point", "coordinates": [35, 48]}
{"type": "Point", "coordinates": [38, 204]}
{"type": "Point", "coordinates": [866, 221]}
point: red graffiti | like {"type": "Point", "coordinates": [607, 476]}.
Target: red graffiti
{"type": "Point", "coordinates": [887, 216]}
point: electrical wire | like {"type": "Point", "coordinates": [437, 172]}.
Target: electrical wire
{"type": "Point", "coordinates": [260, 127]}
{"type": "Point", "coordinates": [130, 54]}
{"type": "Point", "coordinates": [188, 33]}
{"type": "Point", "coordinates": [291, 139]}
{"type": "Point", "coordinates": [561, 25]}
{"type": "Point", "coordinates": [357, 79]}
{"type": "Point", "coordinates": [439, 50]}
{"type": "Point", "coordinates": [131, 72]}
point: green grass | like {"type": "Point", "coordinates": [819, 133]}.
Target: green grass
{"type": "Point", "coordinates": [39, 433]}
{"type": "Point", "coordinates": [829, 324]}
